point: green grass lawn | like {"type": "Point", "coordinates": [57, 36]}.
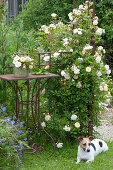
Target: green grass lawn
{"type": "Point", "coordinates": [65, 159]}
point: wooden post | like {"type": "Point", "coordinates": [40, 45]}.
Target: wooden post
{"type": "Point", "coordinates": [74, 4]}
{"type": "Point", "coordinates": [93, 52]}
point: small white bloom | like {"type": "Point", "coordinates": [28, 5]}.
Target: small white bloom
{"type": "Point", "coordinates": [55, 55]}
{"type": "Point", "coordinates": [67, 76]}
{"type": "Point", "coordinates": [81, 7]}
{"type": "Point", "coordinates": [71, 50]}
{"type": "Point", "coordinates": [108, 71]}
{"type": "Point", "coordinates": [47, 117]}
{"type": "Point", "coordinates": [65, 39]}
{"type": "Point", "coordinates": [67, 128]}
{"type": "Point", "coordinates": [79, 32]}
{"type": "Point", "coordinates": [30, 66]}
{"type": "Point", "coordinates": [100, 48]}
{"type": "Point", "coordinates": [54, 15]}
{"type": "Point", "coordinates": [18, 64]}
{"type": "Point", "coordinates": [77, 124]}
{"type": "Point", "coordinates": [98, 59]}
{"type": "Point", "coordinates": [101, 88]}
{"type": "Point", "coordinates": [66, 43]}
{"type": "Point", "coordinates": [52, 26]}
{"type": "Point", "coordinates": [75, 31]}
{"type": "Point", "coordinates": [99, 73]}
{"type": "Point", "coordinates": [99, 31]}
{"type": "Point", "coordinates": [105, 88]}
{"type": "Point", "coordinates": [107, 67]}
{"type": "Point", "coordinates": [73, 117]}
{"type": "Point", "coordinates": [43, 124]}
{"type": "Point", "coordinates": [46, 58]}
{"type": "Point", "coordinates": [79, 85]}
{"type": "Point", "coordinates": [47, 67]}
{"type": "Point", "coordinates": [59, 145]}
{"type": "Point", "coordinates": [63, 73]}
{"type": "Point", "coordinates": [22, 59]}
{"type": "Point", "coordinates": [88, 69]}
{"type": "Point", "coordinates": [16, 58]}
{"type": "Point", "coordinates": [70, 15]}
{"type": "Point", "coordinates": [95, 22]}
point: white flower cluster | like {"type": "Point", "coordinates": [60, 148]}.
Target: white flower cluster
{"type": "Point", "coordinates": [78, 12]}
{"type": "Point", "coordinates": [65, 74]}
{"type": "Point", "coordinates": [24, 62]}
{"type": "Point", "coordinates": [103, 86]}
{"type": "Point", "coordinates": [67, 128]}
{"type": "Point", "coordinates": [75, 69]}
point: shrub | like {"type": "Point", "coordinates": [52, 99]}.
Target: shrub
{"type": "Point", "coordinates": [12, 140]}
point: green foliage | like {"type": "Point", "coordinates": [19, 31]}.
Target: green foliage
{"type": "Point", "coordinates": [104, 9]}
{"type": "Point", "coordinates": [39, 12]}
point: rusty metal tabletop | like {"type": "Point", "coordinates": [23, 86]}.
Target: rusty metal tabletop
{"type": "Point", "coordinates": [11, 77]}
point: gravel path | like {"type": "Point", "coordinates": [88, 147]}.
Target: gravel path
{"type": "Point", "coordinates": [106, 128]}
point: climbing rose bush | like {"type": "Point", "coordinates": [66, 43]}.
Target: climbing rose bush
{"type": "Point", "coordinates": [83, 88]}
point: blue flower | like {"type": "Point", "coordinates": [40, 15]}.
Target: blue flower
{"type": "Point", "coordinates": [25, 139]}
{"type": "Point", "coordinates": [21, 124]}
{"type": "Point", "coordinates": [17, 167]}
{"type": "Point", "coordinates": [0, 141]}
{"type": "Point", "coordinates": [18, 147]}
{"type": "Point", "coordinates": [13, 143]}
{"type": "Point", "coordinates": [14, 117]}
{"type": "Point", "coordinates": [8, 119]}
{"type": "Point", "coordinates": [20, 154]}
{"type": "Point", "coordinates": [13, 122]}
{"type": "Point", "coordinates": [19, 131]}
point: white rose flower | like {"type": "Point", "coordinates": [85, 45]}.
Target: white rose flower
{"type": "Point", "coordinates": [105, 88]}
{"type": "Point", "coordinates": [98, 59]}
{"type": "Point", "coordinates": [100, 48]}
{"type": "Point", "coordinates": [47, 117]}
{"type": "Point", "coordinates": [18, 64]}
{"type": "Point", "coordinates": [67, 128]}
{"type": "Point", "coordinates": [99, 73]}
{"type": "Point", "coordinates": [101, 88]}
{"type": "Point", "coordinates": [73, 117]}
{"type": "Point", "coordinates": [16, 58]}
{"type": "Point", "coordinates": [22, 59]}
{"type": "Point", "coordinates": [75, 31]}
{"type": "Point", "coordinates": [46, 58]}
{"type": "Point", "coordinates": [107, 67]}
{"type": "Point", "coordinates": [43, 124]}
{"type": "Point", "coordinates": [88, 69]}
{"type": "Point", "coordinates": [30, 66]}
{"type": "Point", "coordinates": [71, 50]}
{"type": "Point", "coordinates": [54, 15]}
{"type": "Point", "coordinates": [79, 85]}
{"type": "Point", "coordinates": [65, 39]}
{"type": "Point", "coordinates": [95, 22]}
{"type": "Point", "coordinates": [59, 145]}
{"type": "Point", "coordinates": [67, 76]}
{"type": "Point", "coordinates": [76, 71]}
{"type": "Point", "coordinates": [77, 124]}
{"type": "Point", "coordinates": [66, 44]}
{"type": "Point", "coordinates": [52, 26]}
{"type": "Point", "coordinates": [63, 73]}
{"type": "Point", "coordinates": [108, 71]}
{"type": "Point", "coordinates": [81, 7]}
{"type": "Point", "coordinates": [99, 31]}
{"type": "Point", "coordinates": [55, 55]}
